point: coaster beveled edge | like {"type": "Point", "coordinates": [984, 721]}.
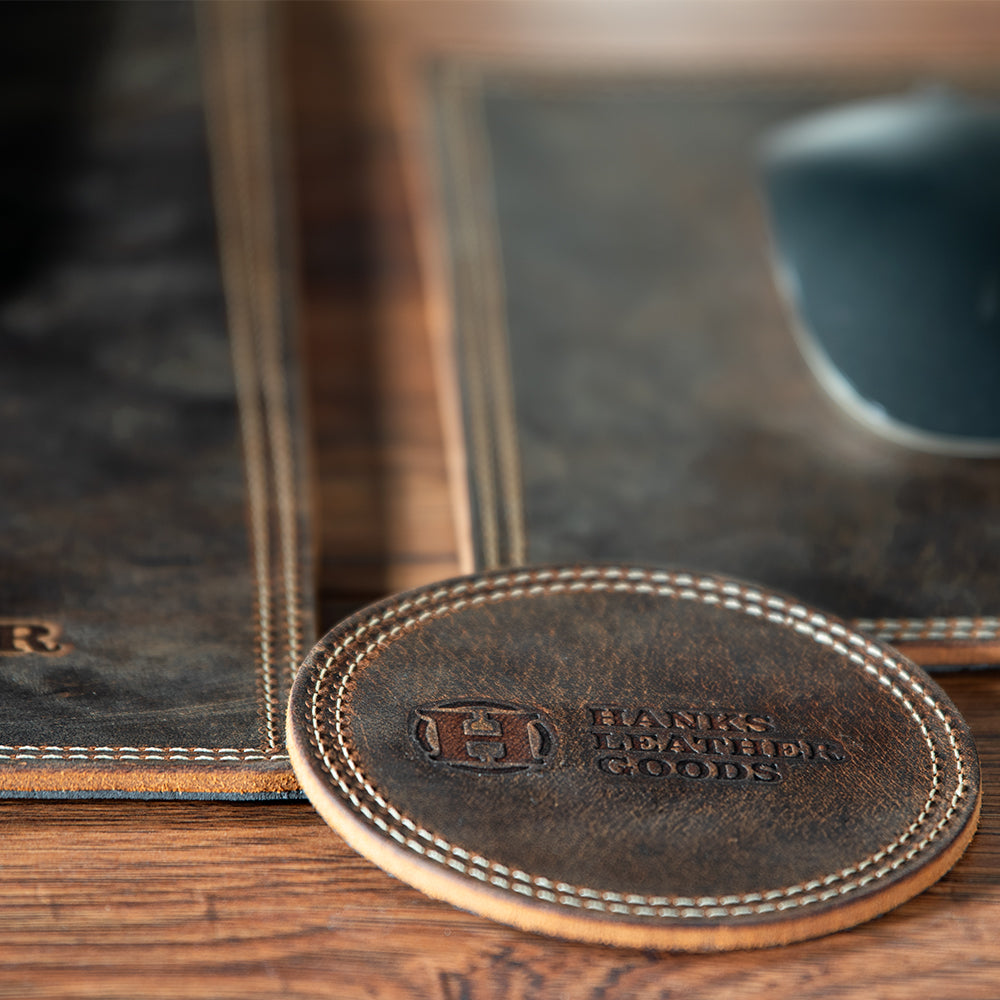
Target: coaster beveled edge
{"type": "Point", "coordinates": [429, 870]}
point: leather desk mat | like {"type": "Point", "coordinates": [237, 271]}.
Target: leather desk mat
{"type": "Point", "coordinates": [155, 596]}
{"type": "Point", "coordinates": [630, 388]}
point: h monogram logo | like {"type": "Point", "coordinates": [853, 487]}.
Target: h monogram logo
{"type": "Point", "coordinates": [483, 736]}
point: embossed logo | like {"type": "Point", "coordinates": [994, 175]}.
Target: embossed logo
{"type": "Point", "coordinates": [19, 637]}
{"type": "Point", "coordinates": [483, 736]}
{"type": "Point", "coordinates": [701, 744]}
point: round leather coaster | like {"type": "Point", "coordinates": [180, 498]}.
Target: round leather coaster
{"type": "Point", "coordinates": [631, 756]}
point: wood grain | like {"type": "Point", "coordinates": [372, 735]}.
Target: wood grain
{"type": "Point", "coordinates": [195, 899]}
{"type": "Point", "coordinates": [132, 899]}
{"type": "Point", "coordinates": [382, 493]}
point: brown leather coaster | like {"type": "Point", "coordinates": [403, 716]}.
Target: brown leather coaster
{"type": "Point", "coordinates": [639, 757]}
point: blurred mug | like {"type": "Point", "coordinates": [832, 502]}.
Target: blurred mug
{"type": "Point", "coordinates": [885, 220]}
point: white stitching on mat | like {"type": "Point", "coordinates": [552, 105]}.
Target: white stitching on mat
{"type": "Point", "coordinates": [256, 756]}
{"type": "Point", "coordinates": [247, 375]}
{"type": "Point", "coordinates": [852, 647]}
{"type": "Point", "coordinates": [47, 752]}
{"type": "Point", "coordinates": [931, 629]}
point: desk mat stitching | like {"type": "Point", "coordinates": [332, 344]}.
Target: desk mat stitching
{"type": "Point", "coordinates": [32, 752]}
{"type": "Point", "coordinates": [255, 332]}
{"type": "Point", "coordinates": [794, 616]}
{"type": "Point", "coordinates": [462, 97]}
{"type": "Point", "coordinates": [495, 459]}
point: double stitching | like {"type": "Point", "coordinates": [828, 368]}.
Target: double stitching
{"type": "Point", "coordinates": [249, 268]}
{"type": "Point", "coordinates": [931, 629]}
{"type": "Point", "coordinates": [746, 600]}
{"type": "Point", "coordinates": [48, 752]}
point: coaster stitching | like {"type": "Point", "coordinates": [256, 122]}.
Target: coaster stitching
{"type": "Point", "coordinates": [705, 590]}
{"type": "Point", "coordinates": [710, 598]}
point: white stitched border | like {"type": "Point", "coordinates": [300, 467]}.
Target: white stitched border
{"type": "Point", "coordinates": [931, 629]}
{"type": "Point", "coordinates": [32, 752]}
{"type": "Point", "coordinates": [795, 616]}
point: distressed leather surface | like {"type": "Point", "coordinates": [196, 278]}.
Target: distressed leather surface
{"type": "Point", "coordinates": [633, 756]}
{"type": "Point", "coordinates": [132, 659]}
{"type": "Point", "coordinates": [610, 233]}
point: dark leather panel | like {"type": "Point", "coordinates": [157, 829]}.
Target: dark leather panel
{"type": "Point", "coordinates": [663, 412]}
{"type": "Point", "coordinates": [130, 635]}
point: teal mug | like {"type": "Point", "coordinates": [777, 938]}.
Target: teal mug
{"type": "Point", "coordinates": [885, 219]}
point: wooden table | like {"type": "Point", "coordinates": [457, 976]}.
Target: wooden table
{"type": "Point", "coordinates": [159, 899]}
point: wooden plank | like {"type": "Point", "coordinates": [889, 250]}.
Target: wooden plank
{"type": "Point", "coordinates": [195, 899]}
{"type": "Point", "coordinates": [385, 521]}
